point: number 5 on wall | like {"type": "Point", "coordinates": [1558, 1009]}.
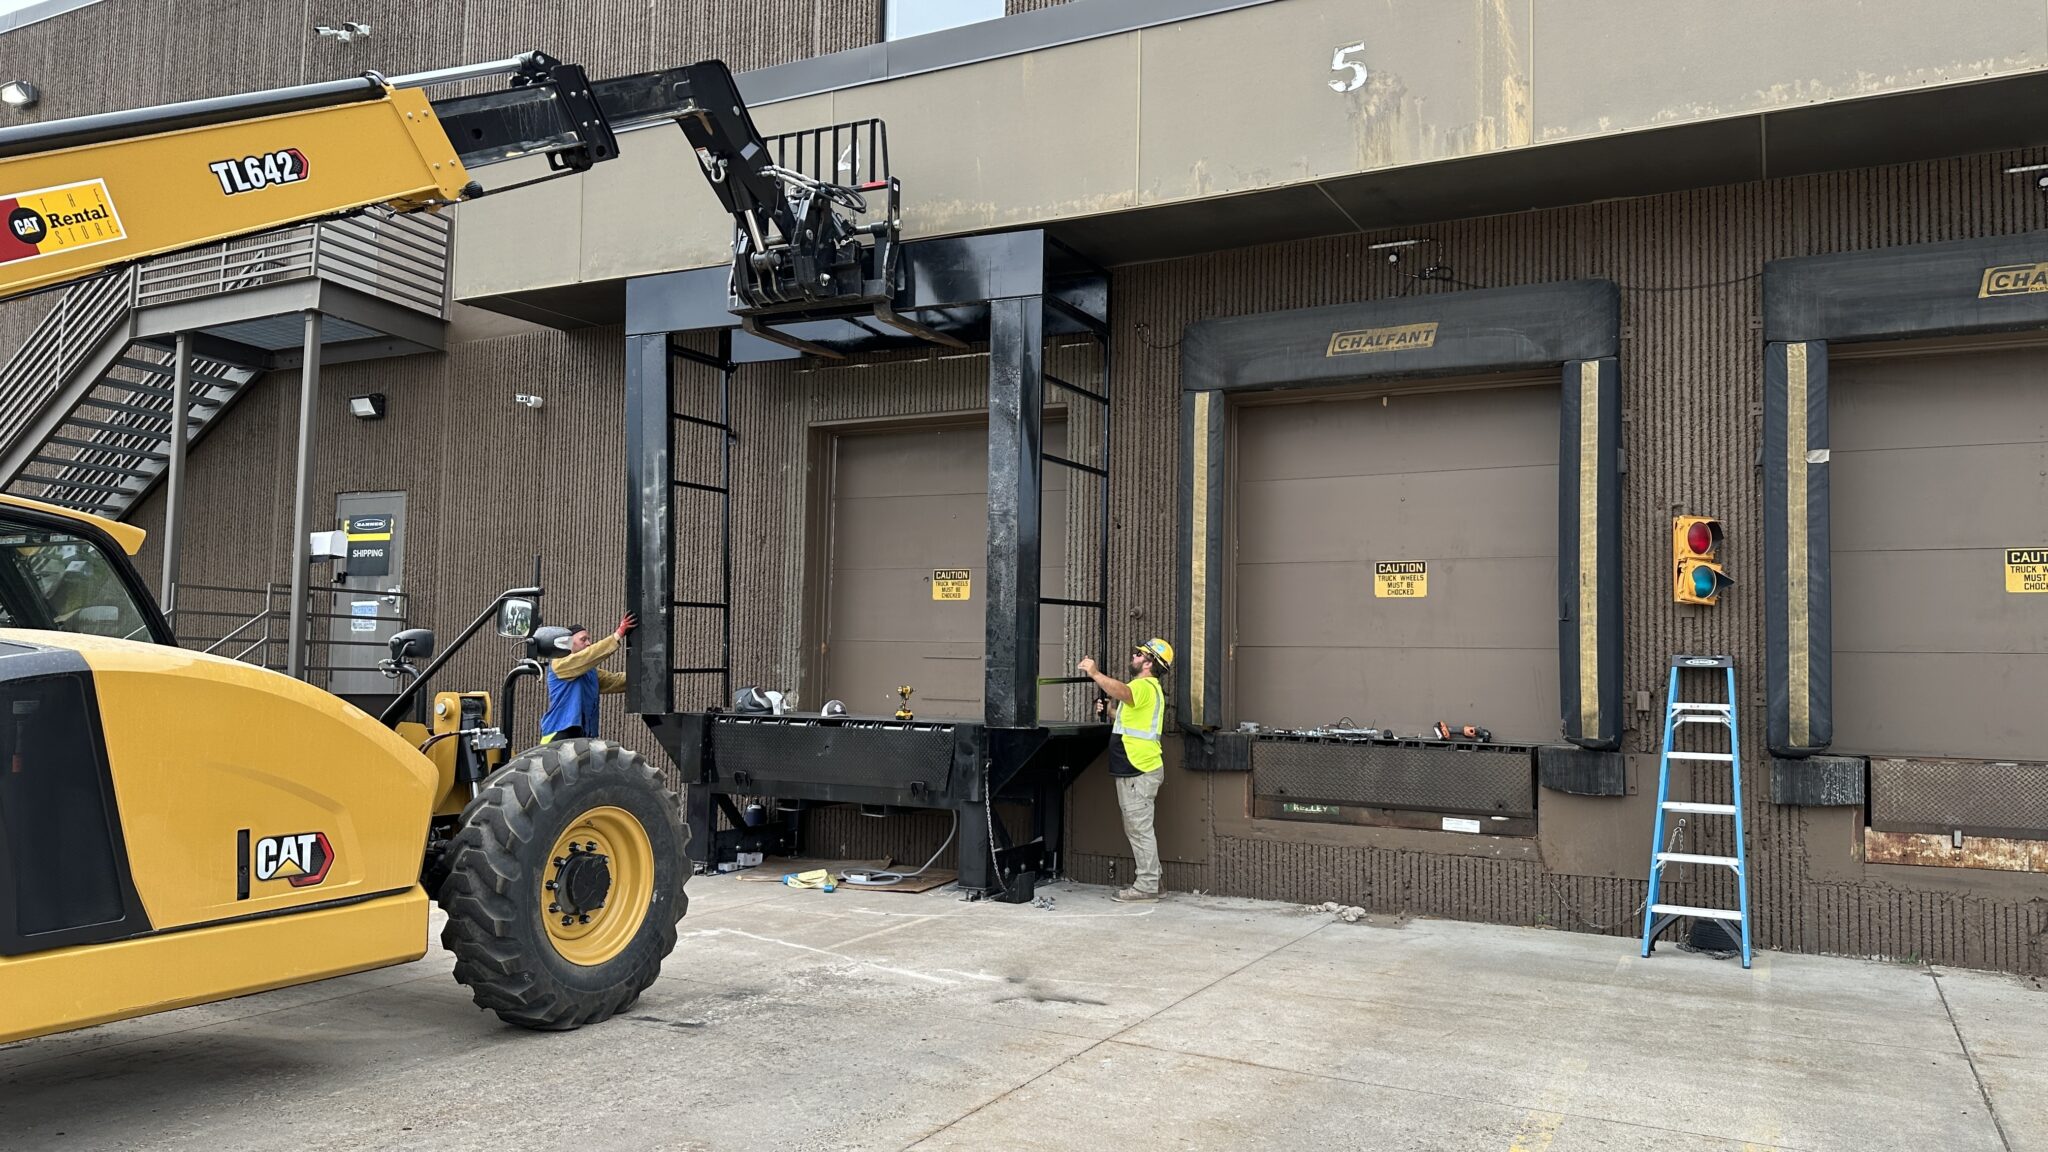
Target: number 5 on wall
{"type": "Point", "coordinates": [1338, 63]}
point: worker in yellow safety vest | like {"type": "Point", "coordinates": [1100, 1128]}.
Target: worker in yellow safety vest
{"type": "Point", "coordinates": [1135, 758]}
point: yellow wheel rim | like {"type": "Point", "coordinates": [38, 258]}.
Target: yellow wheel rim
{"type": "Point", "coordinates": [596, 886]}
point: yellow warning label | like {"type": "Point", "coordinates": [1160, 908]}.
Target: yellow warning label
{"type": "Point", "coordinates": [951, 583]}
{"type": "Point", "coordinates": [57, 219]}
{"type": "Point", "coordinates": [1400, 579]}
{"type": "Point", "coordinates": [2026, 569]}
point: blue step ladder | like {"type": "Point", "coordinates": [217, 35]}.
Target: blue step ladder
{"type": "Point", "coordinates": [1659, 916]}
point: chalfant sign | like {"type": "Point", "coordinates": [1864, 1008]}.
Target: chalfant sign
{"type": "Point", "coordinates": [1398, 338]}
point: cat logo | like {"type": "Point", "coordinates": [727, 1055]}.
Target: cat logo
{"type": "Point", "coordinates": [302, 859]}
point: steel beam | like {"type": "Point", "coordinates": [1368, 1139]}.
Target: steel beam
{"type": "Point", "coordinates": [650, 538]}
{"type": "Point", "coordinates": [174, 472]}
{"type": "Point", "coordinates": [1016, 392]}
{"type": "Point", "coordinates": [302, 496]}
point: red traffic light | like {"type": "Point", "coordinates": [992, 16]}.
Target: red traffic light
{"type": "Point", "coordinates": [1699, 538]}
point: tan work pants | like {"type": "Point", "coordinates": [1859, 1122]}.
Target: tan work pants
{"type": "Point", "coordinates": [1137, 796]}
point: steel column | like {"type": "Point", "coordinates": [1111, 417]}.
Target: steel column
{"type": "Point", "coordinates": [650, 541]}
{"type": "Point", "coordinates": [1016, 393]}
{"type": "Point", "coordinates": [174, 473]}
{"type": "Point", "coordinates": [302, 496]}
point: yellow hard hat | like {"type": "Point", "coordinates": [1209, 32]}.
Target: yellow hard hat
{"type": "Point", "coordinates": [1159, 650]}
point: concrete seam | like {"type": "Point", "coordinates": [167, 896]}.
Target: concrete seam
{"type": "Point", "coordinates": [1048, 1070]}
{"type": "Point", "coordinates": [1990, 1109]}
{"type": "Point", "coordinates": [1505, 1104]}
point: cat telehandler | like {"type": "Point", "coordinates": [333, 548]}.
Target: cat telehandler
{"type": "Point", "coordinates": [178, 828]}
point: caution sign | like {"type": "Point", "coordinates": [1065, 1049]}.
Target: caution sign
{"type": "Point", "coordinates": [1400, 579]}
{"type": "Point", "coordinates": [59, 219]}
{"type": "Point", "coordinates": [2026, 569]}
{"type": "Point", "coordinates": [951, 584]}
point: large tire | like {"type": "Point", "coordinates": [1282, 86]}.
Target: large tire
{"type": "Point", "coordinates": [516, 949]}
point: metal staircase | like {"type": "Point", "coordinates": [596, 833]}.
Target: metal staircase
{"type": "Point", "coordinates": [86, 403]}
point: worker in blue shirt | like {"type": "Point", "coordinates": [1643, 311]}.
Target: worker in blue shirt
{"type": "Point", "coordinates": [575, 682]}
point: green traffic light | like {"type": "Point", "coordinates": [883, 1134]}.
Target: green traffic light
{"type": "Point", "coordinates": [1702, 581]}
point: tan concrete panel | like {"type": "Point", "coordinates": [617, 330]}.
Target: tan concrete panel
{"type": "Point", "coordinates": [651, 210]}
{"type": "Point", "coordinates": [1612, 65]}
{"type": "Point", "coordinates": [1025, 138]}
{"type": "Point", "coordinates": [526, 239]}
{"type": "Point", "coordinates": [1242, 100]}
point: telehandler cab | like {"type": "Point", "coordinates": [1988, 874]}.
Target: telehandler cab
{"type": "Point", "coordinates": [177, 828]}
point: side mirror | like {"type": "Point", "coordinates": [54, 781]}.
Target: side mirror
{"type": "Point", "coordinates": [548, 643]}
{"type": "Point", "coordinates": [515, 619]}
{"type": "Point", "coordinates": [413, 643]}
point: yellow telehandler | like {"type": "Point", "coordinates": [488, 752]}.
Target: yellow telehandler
{"type": "Point", "coordinates": [177, 828]}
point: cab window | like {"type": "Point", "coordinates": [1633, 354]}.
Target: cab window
{"type": "Point", "coordinates": [56, 580]}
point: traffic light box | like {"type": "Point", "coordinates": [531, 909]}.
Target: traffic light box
{"type": "Point", "coordinates": [1696, 577]}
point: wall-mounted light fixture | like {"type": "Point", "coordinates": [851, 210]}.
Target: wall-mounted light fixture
{"type": "Point", "coordinates": [370, 407]}
{"type": "Point", "coordinates": [19, 94]}
{"type": "Point", "coordinates": [349, 30]}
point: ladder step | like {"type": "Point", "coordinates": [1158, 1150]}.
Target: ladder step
{"type": "Point", "coordinates": [1723, 757]}
{"type": "Point", "coordinates": [1721, 720]}
{"type": "Point", "coordinates": [1685, 706]}
{"type": "Point", "coordinates": [1696, 858]}
{"type": "Point", "coordinates": [1695, 806]}
{"type": "Point", "coordinates": [1687, 910]}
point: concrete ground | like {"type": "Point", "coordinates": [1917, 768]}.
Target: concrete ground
{"type": "Point", "coordinates": [803, 1020]}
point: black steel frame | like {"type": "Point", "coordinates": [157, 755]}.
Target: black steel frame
{"type": "Point", "coordinates": [1014, 291]}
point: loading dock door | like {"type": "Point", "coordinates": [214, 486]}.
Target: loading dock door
{"type": "Point", "coordinates": [1460, 482]}
{"type": "Point", "coordinates": [1939, 464]}
{"type": "Point", "coordinates": [908, 503]}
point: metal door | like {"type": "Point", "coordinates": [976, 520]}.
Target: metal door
{"type": "Point", "coordinates": [1396, 561]}
{"type": "Point", "coordinates": [367, 607]}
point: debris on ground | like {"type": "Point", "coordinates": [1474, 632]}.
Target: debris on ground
{"type": "Point", "coordinates": [1352, 914]}
{"type": "Point", "coordinates": [1044, 902]}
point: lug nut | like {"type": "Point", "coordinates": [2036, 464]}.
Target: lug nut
{"type": "Point", "coordinates": [567, 920]}
{"type": "Point", "coordinates": [554, 908]}
{"type": "Point", "coordinates": [590, 847]}
{"type": "Point", "coordinates": [583, 919]}
{"type": "Point", "coordinates": [559, 861]}
{"type": "Point", "coordinates": [551, 885]}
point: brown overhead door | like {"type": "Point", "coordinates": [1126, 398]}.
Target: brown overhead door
{"type": "Point", "coordinates": [906, 503]}
{"type": "Point", "coordinates": [1462, 482]}
{"type": "Point", "coordinates": [1939, 465]}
